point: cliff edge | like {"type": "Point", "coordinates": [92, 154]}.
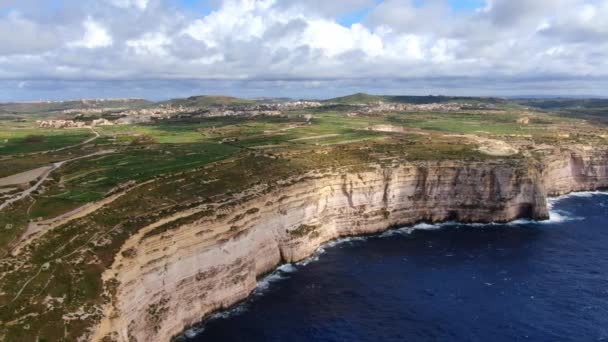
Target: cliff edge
{"type": "Point", "coordinates": [174, 272]}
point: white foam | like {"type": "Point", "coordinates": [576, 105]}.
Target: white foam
{"type": "Point", "coordinates": [192, 332]}
{"type": "Point", "coordinates": [264, 284]}
{"type": "Point", "coordinates": [287, 268]}
{"type": "Point", "coordinates": [559, 216]}
{"type": "Point", "coordinates": [398, 231]}
{"type": "Point", "coordinates": [278, 274]}
{"type": "Point", "coordinates": [321, 250]}
{"type": "Point", "coordinates": [583, 194]}
{"type": "Point", "coordinates": [427, 226]}
{"type": "Point", "coordinates": [341, 241]}
{"type": "Point", "coordinates": [308, 260]}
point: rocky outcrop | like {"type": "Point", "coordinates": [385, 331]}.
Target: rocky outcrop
{"type": "Point", "coordinates": [161, 283]}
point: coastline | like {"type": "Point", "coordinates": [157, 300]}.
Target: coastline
{"type": "Point", "coordinates": [180, 276]}
{"type": "Point", "coordinates": [281, 271]}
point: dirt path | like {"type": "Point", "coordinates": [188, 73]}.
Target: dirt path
{"type": "Point", "coordinates": [44, 175]}
{"type": "Point", "coordinates": [316, 137]}
{"type": "Point", "coordinates": [396, 129]}
{"type": "Point", "coordinates": [91, 139]}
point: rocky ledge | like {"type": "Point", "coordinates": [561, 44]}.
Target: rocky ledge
{"type": "Point", "coordinates": [164, 281]}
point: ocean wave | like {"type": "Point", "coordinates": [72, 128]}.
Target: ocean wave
{"type": "Point", "coordinates": [278, 274]}
{"type": "Point", "coordinates": [560, 216]}
{"type": "Point", "coordinates": [287, 268]}
{"type": "Point", "coordinates": [313, 258]}
{"type": "Point", "coordinates": [583, 194]}
{"type": "Point", "coordinates": [263, 285]}
{"type": "Point", "coordinates": [197, 330]}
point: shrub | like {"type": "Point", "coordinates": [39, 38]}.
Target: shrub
{"type": "Point", "coordinates": [33, 139]}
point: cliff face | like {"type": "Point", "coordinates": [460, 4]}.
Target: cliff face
{"type": "Point", "coordinates": [579, 170]}
{"type": "Point", "coordinates": [162, 283]}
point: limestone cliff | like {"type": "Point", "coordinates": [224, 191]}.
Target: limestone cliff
{"type": "Point", "coordinates": [575, 170]}
{"type": "Point", "coordinates": [161, 283]}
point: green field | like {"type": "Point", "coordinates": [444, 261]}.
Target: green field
{"type": "Point", "coordinates": [17, 140]}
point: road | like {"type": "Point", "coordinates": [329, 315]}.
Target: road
{"type": "Point", "coordinates": [45, 175]}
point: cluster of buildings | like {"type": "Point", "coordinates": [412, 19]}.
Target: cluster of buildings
{"type": "Point", "coordinates": [297, 105]}
{"type": "Point", "coordinates": [381, 107]}
{"type": "Point", "coordinates": [72, 123]}
{"type": "Point", "coordinates": [407, 107]}
{"type": "Point", "coordinates": [156, 112]}
{"type": "Point", "coordinates": [121, 116]}
{"type": "Point", "coordinates": [172, 111]}
{"type": "Point", "coordinates": [86, 110]}
{"type": "Point", "coordinates": [61, 124]}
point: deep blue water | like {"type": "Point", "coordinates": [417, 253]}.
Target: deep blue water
{"type": "Point", "coordinates": [516, 282]}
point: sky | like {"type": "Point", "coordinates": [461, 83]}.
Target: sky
{"type": "Point", "coordinates": [159, 49]}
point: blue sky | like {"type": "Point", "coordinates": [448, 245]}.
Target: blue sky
{"type": "Point", "coordinates": [203, 7]}
{"type": "Point", "coordinates": [356, 16]}
{"type": "Point", "coordinates": [466, 5]}
{"type": "Point", "coordinates": [360, 15]}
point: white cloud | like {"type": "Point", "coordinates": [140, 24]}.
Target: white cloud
{"type": "Point", "coordinates": [153, 43]}
{"type": "Point", "coordinates": [20, 35]}
{"type": "Point", "coordinates": [335, 39]}
{"type": "Point", "coordinates": [139, 4]}
{"type": "Point", "coordinates": [95, 36]}
{"type": "Point", "coordinates": [289, 40]}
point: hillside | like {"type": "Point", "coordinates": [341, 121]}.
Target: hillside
{"type": "Point", "coordinates": [49, 106]}
{"type": "Point", "coordinates": [362, 98]}
{"type": "Point", "coordinates": [563, 103]}
{"type": "Point", "coordinates": [208, 100]}
{"type": "Point", "coordinates": [359, 98]}
{"type": "Point", "coordinates": [595, 110]}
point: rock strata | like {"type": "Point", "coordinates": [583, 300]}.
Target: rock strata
{"type": "Point", "coordinates": [162, 283]}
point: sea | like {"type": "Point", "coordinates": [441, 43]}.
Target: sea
{"type": "Point", "coordinates": [522, 281]}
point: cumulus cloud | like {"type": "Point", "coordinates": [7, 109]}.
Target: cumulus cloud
{"type": "Point", "coordinates": [95, 36]}
{"type": "Point", "coordinates": [140, 4]}
{"type": "Point", "coordinates": [19, 35]}
{"type": "Point", "coordinates": [304, 41]}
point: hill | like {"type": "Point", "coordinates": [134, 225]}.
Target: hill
{"type": "Point", "coordinates": [563, 103]}
{"type": "Point", "coordinates": [209, 100]}
{"type": "Point", "coordinates": [358, 98]}
{"type": "Point", "coordinates": [595, 110]}
{"type": "Point", "coordinates": [49, 106]}
{"type": "Point", "coordinates": [362, 98]}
